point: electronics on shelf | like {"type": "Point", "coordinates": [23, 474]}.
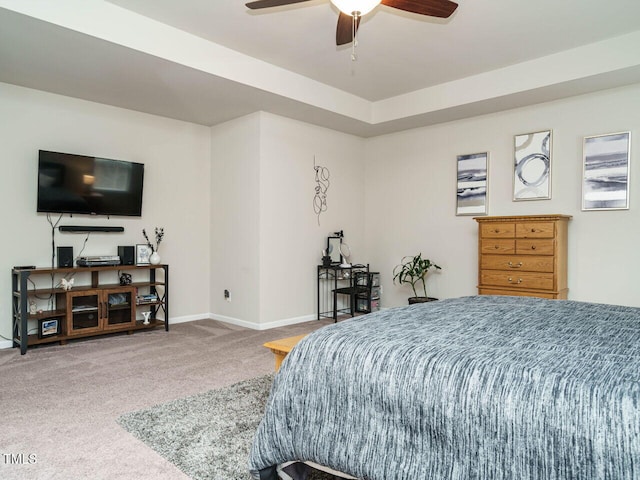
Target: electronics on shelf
{"type": "Point", "coordinates": [98, 260]}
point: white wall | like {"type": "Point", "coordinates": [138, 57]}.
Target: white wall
{"type": "Point", "coordinates": [176, 190]}
{"type": "Point", "coordinates": [263, 184]}
{"type": "Point", "coordinates": [235, 232]}
{"type": "Point", "coordinates": [291, 238]}
{"type": "Point", "coordinates": [411, 193]}
{"type": "Point", "coordinates": [236, 200]}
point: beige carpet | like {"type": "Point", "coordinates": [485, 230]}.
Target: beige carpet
{"type": "Point", "coordinates": [59, 404]}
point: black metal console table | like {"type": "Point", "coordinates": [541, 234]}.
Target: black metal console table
{"type": "Point", "coordinates": [334, 280]}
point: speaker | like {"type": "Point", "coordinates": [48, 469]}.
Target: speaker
{"type": "Point", "coordinates": [65, 257]}
{"type": "Point", "coordinates": [89, 229]}
{"type": "Point", "coordinates": [127, 255]}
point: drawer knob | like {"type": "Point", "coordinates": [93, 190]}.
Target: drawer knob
{"type": "Point", "coordinates": [533, 230]}
{"type": "Point", "coordinates": [533, 247]}
{"type": "Point", "coordinates": [518, 265]}
{"type": "Point", "coordinates": [518, 281]}
{"type": "Point", "coordinates": [497, 247]}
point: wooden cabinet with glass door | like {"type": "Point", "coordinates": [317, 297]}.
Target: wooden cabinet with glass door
{"type": "Point", "coordinates": [99, 310]}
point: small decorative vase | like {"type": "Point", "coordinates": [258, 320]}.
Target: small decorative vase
{"type": "Point", "coordinates": [154, 258]}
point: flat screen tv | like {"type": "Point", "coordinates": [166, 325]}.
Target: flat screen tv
{"type": "Point", "coordinates": [77, 184]}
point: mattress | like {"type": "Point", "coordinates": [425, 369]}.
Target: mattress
{"type": "Point", "coordinates": [471, 388]}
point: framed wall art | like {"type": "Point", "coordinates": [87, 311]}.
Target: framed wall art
{"type": "Point", "coordinates": [143, 252]}
{"type": "Point", "coordinates": [532, 166]}
{"type": "Point", "coordinates": [473, 172]}
{"type": "Point", "coordinates": [605, 171]}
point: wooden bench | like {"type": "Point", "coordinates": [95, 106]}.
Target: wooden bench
{"type": "Point", "coordinates": [281, 347]}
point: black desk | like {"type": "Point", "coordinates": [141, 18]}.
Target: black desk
{"type": "Point", "coordinates": [337, 280]}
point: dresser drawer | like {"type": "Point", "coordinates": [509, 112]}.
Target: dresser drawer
{"type": "Point", "coordinates": [497, 245]}
{"type": "Point", "coordinates": [519, 293]}
{"type": "Point", "coordinates": [535, 246]}
{"type": "Point", "coordinates": [498, 230]}
{"type": "Point", "coordinates": [524, 280]}
{"type": "Point", "coordinates": [535, 230]}
{"type": "Point", "coordinates": [529, 263]}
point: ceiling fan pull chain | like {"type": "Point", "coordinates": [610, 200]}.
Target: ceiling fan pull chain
{"type": "Point", "coordinates": [354, 34]}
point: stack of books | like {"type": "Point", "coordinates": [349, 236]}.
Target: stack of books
{"type": "Point", "coordinates": [148, 298]}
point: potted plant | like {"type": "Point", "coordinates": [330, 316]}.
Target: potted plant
{"type": "Point", "coordinates": [413, 270]}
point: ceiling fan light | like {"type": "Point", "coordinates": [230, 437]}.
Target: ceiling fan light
{"type": "Point", "coordinates": [361, 6]}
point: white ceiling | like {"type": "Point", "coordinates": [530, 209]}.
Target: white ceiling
{"type": "Point", "coordinates": [411, 70]}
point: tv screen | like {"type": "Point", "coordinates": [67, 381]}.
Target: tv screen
{"type": "Point", "coordinates": [79, 184]}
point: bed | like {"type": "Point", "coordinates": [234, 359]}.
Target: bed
{"type": "Point", "coordinates": [485, 387]}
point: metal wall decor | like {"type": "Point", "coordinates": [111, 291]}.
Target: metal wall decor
{"type": "Point", "coordinates": [322, 185]}
{"type": "Point", "coordinates": [472, 184]}
{"type": "Point", "coordinates": [532, 166]}
{"type": "Point", "coordinates": [605, 171]}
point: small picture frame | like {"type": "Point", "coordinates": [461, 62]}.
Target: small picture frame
{"type": "Point", "coordinates": [48, 327]}
{"type": "Point", "coordinates": [143, 252]}
{"type": "Point", "coordinates": [605, 171]}
{"type": "Point", "coordinates": [471, 196]}
{"type": "Point", "coordinates": [532, 166]}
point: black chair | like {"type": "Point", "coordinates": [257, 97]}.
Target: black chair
{"type": "Point", "coordinates": [356, 286]}
{"type": "Point", "coordinates": [364, 295]}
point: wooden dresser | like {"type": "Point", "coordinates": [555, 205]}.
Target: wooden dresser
{"type": "Point", "coordinates": [524, 255]}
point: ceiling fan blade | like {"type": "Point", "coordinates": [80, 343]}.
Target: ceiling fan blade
{"type": "Point", "coordinates": [271, 3]}
{"type": "Point", "coordinates": [344, 31]}
{"type": "Point", "coordinates": [432, 8]}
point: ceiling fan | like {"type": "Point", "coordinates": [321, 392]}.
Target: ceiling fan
{"type": "Point", "coordinates": [352, 10]}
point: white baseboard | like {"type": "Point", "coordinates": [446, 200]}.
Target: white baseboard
{"type": "Point", "coordinates": [6, 344]}
{"type": "Point", "coordinates": [188, 318]}
{"type": "Point", "coordinates": [262, 326]}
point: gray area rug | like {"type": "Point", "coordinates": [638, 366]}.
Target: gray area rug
{"type": "Point", "coordinates": [208, 435]}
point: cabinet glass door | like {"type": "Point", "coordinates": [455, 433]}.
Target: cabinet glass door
{"type": "Point", "coordinates": [119, 309]}
{"type": "Point", "coordinates": [85, 312]}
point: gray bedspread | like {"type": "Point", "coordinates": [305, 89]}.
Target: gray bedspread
{"type": "Point", "coordinates": [470, 388]}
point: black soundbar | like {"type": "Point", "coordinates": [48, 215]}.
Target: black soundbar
{"type": "Point", "coordinates": [89, 229]}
